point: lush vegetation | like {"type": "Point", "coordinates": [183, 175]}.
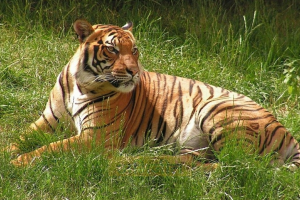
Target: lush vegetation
{"type": "Point", "coordinates": [251, 47]}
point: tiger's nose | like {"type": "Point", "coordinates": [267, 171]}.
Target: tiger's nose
{"type": "Point", "coordinates": [132, 69]}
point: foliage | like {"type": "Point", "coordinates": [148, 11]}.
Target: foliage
{"type": "Point", "coordinates": [292, 77]}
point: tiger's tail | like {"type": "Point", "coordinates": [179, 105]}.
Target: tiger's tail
{"type": "Point", "coordinates": [278, 139]}
{"type": "Point", "coordinates": [294, 156]}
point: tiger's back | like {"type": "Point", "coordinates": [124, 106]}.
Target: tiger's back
{"type": "Point", "coordinates": [104, 91]}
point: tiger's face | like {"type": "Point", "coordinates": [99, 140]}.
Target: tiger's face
{"type": "Point", "coordinates": [108, 57]}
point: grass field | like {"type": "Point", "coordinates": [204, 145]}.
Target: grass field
{"type": "Point", "coordinates": [248, 47]}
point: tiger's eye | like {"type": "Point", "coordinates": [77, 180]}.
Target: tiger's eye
{"type": "Point", "coordinates": [111, 49]}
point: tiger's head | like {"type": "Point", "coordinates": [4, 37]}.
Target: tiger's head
{"type": "Point", "coordinates": [107, 58]}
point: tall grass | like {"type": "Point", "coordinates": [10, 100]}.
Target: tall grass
{"type": "Point", "coordinates": [244, 46]}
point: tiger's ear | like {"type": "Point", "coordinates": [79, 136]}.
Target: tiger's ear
{"type": "Point", "coordinates": [128, 26]}
{"type": "Point", "coordinates": [83, 29]}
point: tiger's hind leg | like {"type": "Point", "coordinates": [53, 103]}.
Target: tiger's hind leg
{"type": "Point", "coordinates": [194, 145]}
{"type": "Point", "coordinates": [190, 160]}
{"type": "Point", "coordinates": [186, 159]}
{"type": "Point", "coordinates": [201, 158]}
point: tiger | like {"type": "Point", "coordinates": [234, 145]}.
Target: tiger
{"type": "Point", "coordinates": [112, 101]}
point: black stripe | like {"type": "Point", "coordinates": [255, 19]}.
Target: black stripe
{"type": "Point", "coordinates": [283, 141]}
{"type": "Point", "coordinates": [240, 96]}
{"type": "Point", "coordinates": [162, 133]}
{"type": "Point", "coordinates": [148, 129]}
{"type": "Point", "coordinates": [268, 124]}
{"type": "Point", "coordinates": [112, 34]}
{"type": "Point", "coordinates": [108, 66]}
{"type": "Point", "coordinates": [259, 140]}
{"type": "Point", "coordinates": [227, 108]}
{"type": "Point", "coordinates": [240, 118]}
{"type": "Point", "coordinates": [89, 114]}
{"type": "Point", "coordinates": [173, 85]}
{"type": "Point", "coordinates": [115, 117]}
{"type": "Point", "coordinates": [48, 123]}
{"type": "Point", "coordinates": [273, 133]}
{"type": "Point", "coordinates": [99, 99]}
{"type": "Point", "coordinates": [223, 134]}
{"type": "Point", "coordinates": [268, 138]}
{"type": "Point", "coordinates": [161, 121]}
{"type": "Point", "coordinates": [216, 139]}
{"type": "Point", "coordinates": [211, 90]}
{"type": "Point", "coordinates": [179, 90]}
{"type": "Point", "coordinates": [104, 54]}
{"type": "Point", "coordinates": [247, 130]}
{"type": "Point", "coordinates": [78, 87]}
{"type": "Point", "coordinates": [108, 95]}
{"type": "Point", "coordinates": [224, 92]}
{"type": "Point", "coordinates": [132, 101]}
{"type": "Point", "coordinates": [192, 83]}
{"type": "Point", "coordinates": [162, 114]}
{"type": "Point", "coordinates": [50, 106]}
{"type": "Point", "coordinates": [178, 105]}
{"type": "Point", "coordinates": [96, 49]}
{"type": "Point", "coordinates": [297, 164]}
{"type": "Point", "coordinates": [61, 84]}
{"type": "Point", "coordinates": [113, 120]}
{"type": "Point", "coordinates": [96, 127]}
{"type": "Point", "coordinates": [155, 98]}
{"type": "Point", "coordinates": [67, 83]}
{"type": "Point", "coordinates": [210, 111]}
{"type": "Point", "coordinates": [86, 53]}
{"type": "Point", "coordinates": [297, 155]}
{"type": "Point", "coordinates": [86, 66]}
{"type": "Point", "coordinates": [197, 99]}
{"type": "Point", "coordinates": [60, 81]}
{"type": "Point", "coordinates": [159, 126]}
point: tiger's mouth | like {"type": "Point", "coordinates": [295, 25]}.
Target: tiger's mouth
{"type": "Point", "coordinates": [124, 83]}
{"type": "Point", "coordinates": [124, 86]}
{"type": "Point", "coordinates": [117, 83]}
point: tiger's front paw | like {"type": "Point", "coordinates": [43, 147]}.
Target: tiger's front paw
{"type": "Point", "coordinates": [23, 160]}
{"type": "Point", "coordinates": [18, 163]}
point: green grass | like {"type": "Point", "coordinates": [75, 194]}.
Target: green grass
{"type": "Point", "coordinates": [239, 45]}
